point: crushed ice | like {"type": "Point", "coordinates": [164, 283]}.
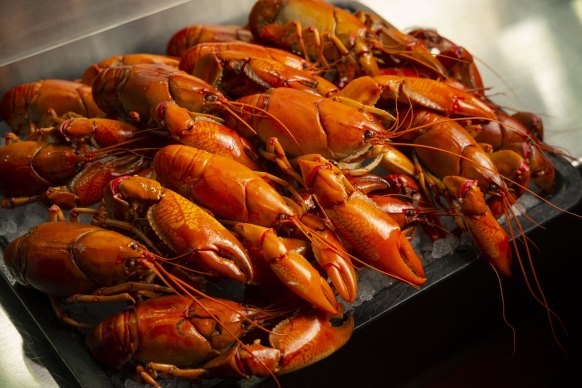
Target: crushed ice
{"type": "Point", "coordinates": [444, 246]}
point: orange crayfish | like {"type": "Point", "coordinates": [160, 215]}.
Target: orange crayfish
{"type": "Point", "coordinates": [203, 338]}
{"type": "Point", "coordinates": [159, 95]}
{"type": "Point", "coordinates": [343, 44]}
{"type": "Point", "coordinates": [189, 36]}
{"type": "Point", "coordinates": [74, 262]}
{"type": "Point", "coordinates": [179, 224]}
{"type": "Point", "coordinates": [235, 193]}
{"type": "Point", "coordinates": [373, 234]}
{"type": "Point", "coordinates": [34, 170]}
{"type": "Point", "coordinates": [128, 59]}
{"type": "Point", "coordinates": [28, 106]}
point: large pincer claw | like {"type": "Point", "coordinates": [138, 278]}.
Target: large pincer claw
{"type": "Point", "coordinates": [296, 342]}
{"type": "Point", "coordinates": [332, 257]}
{"type": "Point", "coordinates": [290, 267]}
{"type": "Point", "coordinates": [187, 229]}
{"type": "Point", "coordinates": [373, 234]}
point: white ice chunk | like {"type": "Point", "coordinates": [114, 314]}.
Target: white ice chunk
{"type": "Point", "coordinates": [444, 246]}
{"type": "Point", "coordinates": [8, 227]}
{"type": "Point", "coordinates": [370, 282]}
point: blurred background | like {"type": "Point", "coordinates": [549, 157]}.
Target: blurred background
{"type": "Point", "coordinates": [528, 52]}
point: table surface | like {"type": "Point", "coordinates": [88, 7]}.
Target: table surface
{"type": "Point", "coordinates": [528, 51]}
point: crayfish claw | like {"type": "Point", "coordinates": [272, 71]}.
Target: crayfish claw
{"type": "Point", "coordinates": [411, 259]}
{"type": "Point", "coordinates": [296, 342]}
{"type": "Point", "coordinates": [373, 234]}
{"type": "Point", "coordinates": [339, 270]}
{"type": "Point", "coordinates": [236, 268]}
{"type": "Point", "coordinates": [344, 279]}
{"type": "Point", "coordinates": [491, 239]}
{"type": "Point", "coordinates": [310, 336]}
{"type": "Point", "coordinates": [245, 361]}
{"type": "Point", "coordinates": [292, 269]}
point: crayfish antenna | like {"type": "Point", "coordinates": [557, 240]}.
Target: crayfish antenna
{"type": "Point", "coordinates": [240, 119]}
{"type": "Point", "coordinates": [186, 290]}
{"type": "Point", "coordinates": [503, 311]}
{"type": "Point", "coordinates": [243, 105]}
{"type": "Point", "coordinates": [537, 292]}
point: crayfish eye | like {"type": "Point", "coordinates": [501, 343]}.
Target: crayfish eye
{"type": "Point", "coordinates": [211, 98]}
{"type": "Point", "coordinates": [134, 245]}
{"type": "Point", "coordinates": [368, 134]}
{"type": "Point", "coordinates": [129, 264]}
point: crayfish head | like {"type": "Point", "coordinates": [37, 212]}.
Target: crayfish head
{"type": "Point", "coordinates": [127, 197]}
{"type": "Point", "coordinates": [110, 258]}
{"type": "Point", "coordinates": [58, 163]}
{"type": "Point", "coordinates": [262, 14]}
{"type": "Point", "coordinates": [194, 94]}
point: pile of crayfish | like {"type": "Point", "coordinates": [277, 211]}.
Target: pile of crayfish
{"type": "Point", "coordinates": [282, 156]}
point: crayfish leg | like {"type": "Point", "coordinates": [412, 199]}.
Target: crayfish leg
{"type": "Point", "coordinates": [65, 318]}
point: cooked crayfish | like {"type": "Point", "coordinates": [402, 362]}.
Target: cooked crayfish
{"type": "Point", "coordinates": [233, 192]}
{"type": "Point", "coordinates": [447, 149]}
{"type": "Point", "coordinates": [372, 233]}
{"type": "Point", "coordinates": [29, 106]}
{"type": "Point", "coordinates": [190, 36]}
{"type": "Point", "coordinates": [416, 91]}
{"type": "Point", "coordinates": [134, 92]}
{"type": "Point", "coordinates": [74, 262]}
{"type": "Point", "coordinates": [338, 40]}
{"type": "Point", "coordinates": [172, 335]}
{"type": "Point", "coordinates": [128, 59]}
{"type": "Point", "coordinates": [304, 123]}
{"type": "Point", "coordinates": [326, 36]}
{"type": "Point", "coordinates": [239, 73]}
{"type": "Point", "coordinates": [148, 92]}
{"type": "Point", "coordinates": [181, 225]}
{"type": "Point", "coordinates": [191, 57]}
{"type": "Point", "coordinates": [29, 168]}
